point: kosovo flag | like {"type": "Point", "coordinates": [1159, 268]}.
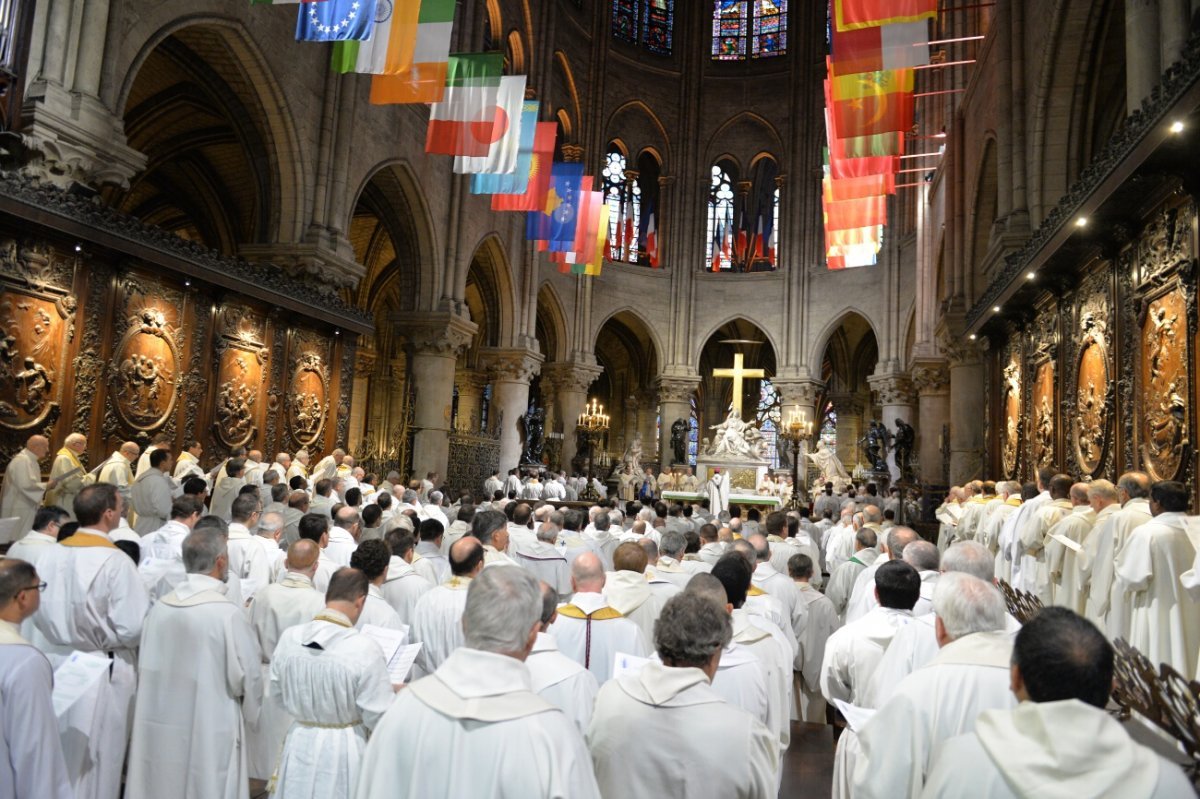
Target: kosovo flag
{"type": "Point", "coordinates": [558, 220]}
{"type": "Point", "coordinates": [338, 20]}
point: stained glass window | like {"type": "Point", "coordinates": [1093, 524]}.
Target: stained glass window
{"type": "Point", "coordinates": [625, 20]}
{"type": "Point", "coordinates": [660, 19]}
{"type": "Point", "coordinates": [730, 27]}
{"type": "Point", "coordinates": [770, 28]}
{"type": "Point", "coordinates": [768, 416]}
{"type": "Point", "coordinates": [624, 204]}
{"type": "Point", "coordinates": [719, 246]}
{"type": "Point", "coordinates": [693, 431]}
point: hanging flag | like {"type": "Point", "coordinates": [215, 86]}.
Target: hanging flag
{"type": "Point", "coordinates": [621, 240]}
{"type": "Point", "coordinates": [870, 84]}
{"type": "Point", "coordinates": [652, 241]}
{"type": "Point", "coordinates": [857, 188]}
{"type": "Point", "coordinates": [888, 108]}
{"type": "Point", "coordinates": [555, 222]}
{"type": "Point", "coordinates": [468, 120]}
{"type": "Point", "coordinates": [855, 213]}
{"type": "Point", "coordinates": [390, 48]}
{"type": "Point", "coordinates": [727, 239]}
{"type": "Point", "coordinates": [538, 182]}
{"type": "Point", "coordinates": [740, 245]}
{"type": "Point", "coordinates": [904, 44]}
{"type": "Point", "coordinates": [852, 14]}
{"type": "Point", "coordinates": [718, 235]}
{"type": "Point", "coordinates": [335, 20]}
{"type": "Point", "coordinates": [758, 239]}
{"type": "Point", "coordinates": [631, 242]}
{"type": "Point", "coordinates": [771, 247]}
{"type": "Point", "coordinates": [425, 80]}
{"type": "Point", "coordinates": [841, 166]}
{"type": "Point", "coordinates": [852, 236]}
{"type": "Point", "coordinates": [596, 262]}
{"type": "Point", "coordinates": [517, 180]}
{"type": "Point", "coordinates": [501, 158]}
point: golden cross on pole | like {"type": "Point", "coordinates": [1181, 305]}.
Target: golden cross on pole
{"type": "Point", "coordinates": [738, 373]}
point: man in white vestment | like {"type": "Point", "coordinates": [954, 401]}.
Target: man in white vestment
{"type": "Point", "coordinates": [275, 608]}
{"type": "Point", "coordinates": [629, 591]}
{"type": "Point", "coordinates": [838, 542]}
{"type": "Point", "coordinates": [788, 538]}
{"type": "Point", "coordinates": [1034, 576]}
{"type": "Point", "coordinates": [822, 622]}
{"type": "Point", "coordinates": [588, 629]}
{"type": "Point", "coordinates": [372, 559]}
{"type": "Point", "coordinates": [973, 502]}
{"type": "Point", "coordinates": [327, 467]}
{"type": "Point", "coordinates": [228, 485]}
{"type": "Point", "coordinates": [334, 682]}
{"type": "Point", "coordinates": [298, 467]}
{"type": "Point", "coordinates": [1108, 605]}
{"type": "Point", "coordinates": [459, 527]}
{"type": "Point", "coordinates": [968, 675]}
{"type": "Point", "coordinates": [248, 560]}
{"type": "Point", "coordinates": [717, 489]}
{"type": "Point", "coordinates": [343, 535]}
{"type": "Point", "coordinates": [475, 727]}
{"type": "Point", "coordinates": [1008, 500]}
{"type": "Point", "coordinates": [283, 462]}
{"type": "Point", "coordinates": [199, 684]}
{"type": "Point", "coordinates": [778, 587]}
{"type": "Point", "coordinates": [654, 730]}
{"type": "Point", "coordinates": [152, 492]}
{"type": "Point", "coordinates": [44, 534]}
{"type": "Point", "coordinates": [402, 587]}
{"type": "Point", "coordinates": [1010, 539]}
{"type": "Point", "coordinates": [1105, 502]}
{"type": "Point", "coordinates": [555, 677]}
{"type": "Point", "coordinates": [118, 470]}
{"type": "Point", "coordinates": [1060, 557]}
{"type": "Point", "coordinates": [68, 473]}
{"type": "Point", "coordinates": [1060, 740]}
{"type": "Point", "coordinates": [94, 602]}
{"type": "Point", "coordinates": [23, 486]}
{"type": "Point", "coordinates": [437, 617]}
{"type": "Point", "coordinates": [543, 559]}
{"type": "Point", "coordinates": [188, 463]}
{"type": "Point", "coordinates": [1164, 620]}
{"type": "Point", "coordinates": [315, 527]}
{"type": "Point", "coordinates": [428, 560]}
{"type": "Point", "coordinates": [492, 485]}
{"type": "Point", "coordinates": [159, 441]}
{"type": "Point", "coordinates": [862, 596]}
{"type": "Point", "coordinates": [841, 581]}
{"type": "Point", "coordinates": [255, 468]}
{"type": "Point", "coordinates": [512, 485]}
{"type": "Point", "coordinates": [711, 548]}
{"type": "Point", "coordinates": [161, 566]}
{"type": "Point", "coordinates": [671, 565]}
{"type": "Point", "coordinates": [599, 537]}
{"type": "Point", "coordinates": [31, 758]}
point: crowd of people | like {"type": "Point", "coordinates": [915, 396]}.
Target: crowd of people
{"type": "Point", "coordinates": [216, 627]}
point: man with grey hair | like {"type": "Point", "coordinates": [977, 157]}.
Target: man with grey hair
{"type": "Point", "coordinates": [479, 708]}
{"type": "Point", "coordinates": [923, 556]}
{"type": "Point", "coordinates": [842, 581]}
{"type": "Point", "coordinates": [433, 508]}
{"type": "Point", "coordinates": [542, 558]}
{"type": "Point", "coordinates": [1108, 605]}
{"type": "Point", "coordinates": [969, 675]}
{"type": "Point", "coordinates": [674, 694]}
{"type": "Point", "coordinates": [1008, 500]}
{"type": "Point", "coordinates": [862, 596]}
{"type": "Point", "coordinates": [671, 566]}
{"type": "Point", "coordinates": [838, 541]}
{"type": "Point", "coordinates": [778, 587]}
{"type": "Point", "coordinates": [588, 629]}
{"type": "Point", "coordinates": [199, 684]}
{"type": "Point", "coordinates": [437, 616]}
{"type": "Point", "coordinates": [68, 473]}
{"type": "Point", "coordinates": [557, 678]}
{"type": "Point", "coordinates": [1060, 587]}
{"type": "Point", "coordinates": [343, 535]}
{"type": "Point", "coordinates": [269, 533]}
{"type": "Point", "coordinates": [1102, 496]}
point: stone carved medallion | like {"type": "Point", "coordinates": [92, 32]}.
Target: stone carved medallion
{"type": "Point", "coordinates": [1011, 407]}
{"type": "Point", "coordinates": [308, 390]}
{"type": "Point", "coordinates": [1163, 380]}
{"type": "Point", "coordinates": [241, 373]}
{"type": "Point", "coordinates": [1042, 414]}
{"type": "Point", "coordinates": [144, 372]}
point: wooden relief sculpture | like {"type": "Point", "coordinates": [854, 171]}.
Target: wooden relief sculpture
{"type": "Point", "coordinates": [1093, 397]}
{"type": "Point", "coordinates": [241, 356]}
{"type": "Point", "coordinates": [1011, 399]}
{"type": "Point", "coordinates": [144, 371]}
{"type": "Point", "coordinates": [308, 391]}
{"type": "Point", "coordinates": [1042, 414]}
{"type": "Point", "coordinates": [1163, 386]}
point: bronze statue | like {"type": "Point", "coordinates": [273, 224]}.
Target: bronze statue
{"type": "Point", "coordinates": [679, 440]}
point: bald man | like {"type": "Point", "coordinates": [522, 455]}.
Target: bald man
{"type": "Point", "coordinates": [69, 473]}
{"type": "Point", "coordinates": [23, 486]}
{"type": "Point", "coordinates": [437, 616]}
{"type": "Point", "coordinates": [118, 470]}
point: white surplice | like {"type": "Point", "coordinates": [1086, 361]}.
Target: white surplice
{"type": "Point", "coordinates": [341, 546]}
{"type": "Point", "coordinates": [437, 623]}
{"type": "Point", "coordinates": [1010, 538]}
{"type": "Point", "coordinates": [1034, 577]}
{"type": "Point", "coordinates": [429, 562]}
{"type": "Point", "coordinates": [1052, 750]}
{"type": "Point", "coordinates": [333, 681]}
{"type": "Point", "coordinates": [1108, 606]}
{"type": "Point", "coordinates": [23, 490]}
{"type": "Point", "coordinates": [841, 582]}
{"type": "Point", "coordinates": [545, 562]}
{"type": "Point", "coordinates": [475, 728]}
{"type": "Point", "coordinates": [767, 644]}
{"type": "Point", "coordinates": [782, 589]}
{"type": "Point", "coordinates": [1063, 585]}
{"type": "Point", "coordinates": [378, 612]}
{"type": "Point", "coordinates": [853, 652]}
{"type": "Point", "coordinates": [801, 544]}
{"type": "Point", "coordinates": [31, 758]}
{"type": "Point", "coordinates": [632, 595]}
{"type": "Point", "coordinates": [403, 587]}
{"type": "Point", "coordinates": [29, 549]}
{"type": "Point", "coordinates": [276, 608]}
{"type": "Point", "coordinates": [152, 493]}
{"type": "Point", "coordinates": [199, 675]}
{"type": "Point", "coordinates": [94, 602]}
{"type": "Point", "coordinates": [639, 711]}
{"type": "Point", "coordinates": [931, 705]}
{"type": "Point", "coordinates": [249, 560]}
{"type": "Point", "coordinates": [561, 681]}
{"type": "Point", "coordinates": [1085, 562]}
{"type": "Point", "coordinates": [822, 622]}
{"type": "Point", "coordinates": [591, 633]}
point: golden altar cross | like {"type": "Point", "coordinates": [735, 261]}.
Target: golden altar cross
{"type": "Point", "coordinates": [738, 373]}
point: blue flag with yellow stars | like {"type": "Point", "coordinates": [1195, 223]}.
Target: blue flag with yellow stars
{"type": "Point", "coordinates": [338, 20]}
{"type": "Point", "coordinates": [558, 218]}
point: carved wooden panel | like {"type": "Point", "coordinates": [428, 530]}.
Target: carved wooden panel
{"type": "Point", "coordinates": [144, 373]}
{"type": "Point", "coordinates": [308, 391]}
{"type": "Point", "coordinates": [1092, 393]}
{"type": "Point", "coordinates": [1010, 403]}
{"type": "Point", "coordinates": [1043, 415]}
{"type": "Point", "coordinates": [1166, 245]}
{"type": "Point", "coordinates": [1163, 385]}
{"type": "Point", "coordinates": [241, 372]}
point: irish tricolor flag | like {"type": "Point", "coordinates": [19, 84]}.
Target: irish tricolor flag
{"type": "Point", "coordinates": [468, 120]}
{"type": "Point", "coordinates": [422, 77]}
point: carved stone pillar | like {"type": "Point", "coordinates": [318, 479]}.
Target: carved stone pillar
{"type": "Point", "coordinates": [966, 407]}
{"type": "Point", "coordinates": [1142, 65]}
{"type": "Point", "coordinates": [648, 426]}
{"type": "Point", "coordinates": [931, 379]}
{"type": "Point", "coordinates": [896, 400]}
{"type": "Point", "coordinates": [571, 382]}
{"type": "Point", "coordinates": [629, 420]}
{"type": "Point", "coordinates": [849, 409]}
{"type": "Point", "coordinates": [674, 402]}
{"type": "Point", "coordinates": [470, 384]}
{"type": "Point", "coordinates": [436, 342]}
{"type": "Point", "coordinates": [511, 371]}
{"type": "Point", "coordinates": [364, 370]}
{"type": "Point", "coordinates": [800, 394]}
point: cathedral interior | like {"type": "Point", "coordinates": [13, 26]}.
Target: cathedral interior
{"type": "Point", "coordinates": [207, 232]}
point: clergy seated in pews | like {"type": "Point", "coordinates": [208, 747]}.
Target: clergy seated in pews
{"type": "Point", "coordinates": [589, 630]}
{"type": "Point", "coordinates": [1164, 620]}
{"type": "Point", "coordinates": [334, 682]}
{"type": "Point", "coordinates": [437, 617]}
{"type": "Point", "coordinates": [94, 602]}
{"type": "Point", "coordinates": [968, 675]}
{"type": "Point", "coordinates": [555, 677]}
{"type": "Point", "coordinates": [672, 700]}
{"type": "Point", "coordinates": [542, 558]}
{"type": "Point", "coordinates": [199, 683]}
{"type": "Point", "coordinates": [403, 587]}
{"type": "Point", "coordinates": [372, 558]}
{"type": "Point", "coordinates": [841, 582]}
{"type": "Point", "coordinates": [822, 622]}
{"type": "Point", "coordinates": [755, 672]}
{"type": "Point", "coordinates": [1060, 557]}
{"type": "Point", "coordinates": [475, 727]}
{"type": "Point", "coordinates": [31, 758]}
{"type": "Point", "coordinates": [1059, 741]}
{"type": "Point", "coordinates": [278, 607]}
{"type": "Point", "coordinates": [862, 595]}
{"type": "Point", "coordinates": [631, 593]}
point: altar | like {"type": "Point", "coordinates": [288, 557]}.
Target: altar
{"type": "Point", "coordinates": [744, 499]}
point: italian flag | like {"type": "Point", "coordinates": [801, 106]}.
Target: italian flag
{"type": "Point", "coordinates": [422, 77]}
{"type": "Point", "coordinates": [468, 120]}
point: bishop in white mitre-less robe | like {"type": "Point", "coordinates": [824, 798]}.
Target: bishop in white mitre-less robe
{"type": "Point", "coordinates": [23, 490]}
{"type": "Point", "coordinates": [933, 704]}
{"type": "Point", "coordinates": [94, 602]}
{"type": "Point", "coordinates": [591, 632]}
{"type": "Point", "coordinates": [561, 681]}
{"type": "Point", "coordinates": [437, 623]}
{"type": "Point", "coordinates": [31, 758]}
{"type": "Point", "coordinates": [639, 746]}
{"type": "Point", "coordinates": [333, 681]}
{"type": "Point", "coordinates": [1051, 749]}
{"type": "Point", "coordinates": [199, 682]}
{"type": "Point", "coordinates": [280, 606]}
{"type": "Point", "coordinates": [475, 728]}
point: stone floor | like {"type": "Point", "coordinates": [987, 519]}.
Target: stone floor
{"type": "Point", "coordinates": [807, 767]}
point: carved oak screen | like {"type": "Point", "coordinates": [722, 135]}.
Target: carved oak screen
{"type": "Point", "coordinates": [1092, 393]}
{"type": "Point", "coordinates": [144, 371]}
{"type": "Point", "coordinates": [1163, 381]}
{"type": "Point", "coordinates": [241, 360]}
{"type": "Point", "coordinates": [1042, 413]}
{"type": "Point", "coordinates": [1010, 399]}
{"type": "Point", "coordinates": [307, 400]}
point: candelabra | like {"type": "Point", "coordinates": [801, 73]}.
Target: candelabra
{"type": "Point", "coordinates": [593, 423]}
{"type": "Point", "coordinates": [797, 431]}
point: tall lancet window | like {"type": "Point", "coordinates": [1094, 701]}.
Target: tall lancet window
{"type": "Point", "coordinates": [769, 37]}
{"type": "Point", "coordinates": [720, 233]}
{"type": "Point", "coordinates": [624, 207]}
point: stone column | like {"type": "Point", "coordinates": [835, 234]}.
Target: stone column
{"type": "Point", "coordinates": [849, 408]}
{"type": "Point", "coordinates": [436, 342]}
{"type": "Point", "coordinates": [1142, 65]}
{"type": "Point", "coordinates": [931, 379]}
{"type": "Point", "coordinates": [674, 402]}
{"type": "Point", "coordinates": [966, 406]}
{"type": "Point", "coordinates": [1174, 22]}
{"type": "Point", "coordinates": [470, 384]}
{"type": "Point", "coordinates": [648, 426]}
{"type": "Point", "coordinates": [511, 371]}
{"type": "Point", "coordinates": [896, 400]}
{"type": "Point", "coordinates": [364, 372]}
{"type": "Point", "coordinates": [571, 382]}
{"type": "Point", "coordinates": [629, 422]}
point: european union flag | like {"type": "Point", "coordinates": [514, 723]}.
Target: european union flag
{"type": "Point", "coordinates": [558, 219]}
{"type": "Point", "coordinates": [336, 20]}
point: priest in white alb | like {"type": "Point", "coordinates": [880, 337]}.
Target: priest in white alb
{"type": "Point", "coordinates": [1104, 501]}
{"type": "Point", "coordinates": [629, 591]}
{"type": "Point", "coordinates": [23, 487]}
{"type": "Point", "coordinates": [68, 473]}
{"type": "Point", "coordinates": [437, 618]}
{"type": "Point", "coordinates": [118, 470]}
{"type": "Point", "coordinates": [403, 587]}
{"type": "Point", "coordinates": [152, 492]}
{"type": "Point", "coordinates": [1034, 577]}
{"type": "Point", "coordinates": [543, 559]}
{"type": "Point", "coordinates": [1060, 555]}
{"type": "Point", "coordinates": [555, 677]}
{"type": "Point", "coordinates": [372, 559]}
{"type": "Point", "coordinates": [822, 622]}
{"type": "Point", "coordinates": [475, 727]}
{"type": "Point", "coordinates": [1107, 606]}
{"type": "Point", "coordinates": [199, 684]}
